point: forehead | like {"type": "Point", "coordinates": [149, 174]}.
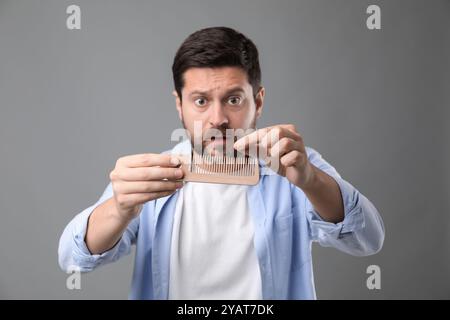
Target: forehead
{"type": "Point", "coordinates": [214, 79]}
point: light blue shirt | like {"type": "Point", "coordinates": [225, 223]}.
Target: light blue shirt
{"type": "Point", "coordinates": [285, 225]}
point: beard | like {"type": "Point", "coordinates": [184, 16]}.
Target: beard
{"type": "Point", "coordinates": [218, 140]}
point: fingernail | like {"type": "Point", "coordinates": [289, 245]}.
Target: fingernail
{"type": "Point", "coordinates": [175, 161]}
{"type": "Point", "coordinates": [178, 173]}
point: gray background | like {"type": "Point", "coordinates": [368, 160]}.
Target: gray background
{"type": "Point", "coordinates": [374, 103]}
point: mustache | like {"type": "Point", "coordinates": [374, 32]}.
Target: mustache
{"type": "Point", "coordinates": [222, 131]}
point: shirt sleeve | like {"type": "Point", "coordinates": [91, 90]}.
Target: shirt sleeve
{"type": "Point", "coordinates": [73, 253]}
{"type": "Point", "coordinates": [361, 233]}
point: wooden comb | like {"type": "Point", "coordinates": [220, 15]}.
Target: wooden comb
{"type": "Point", "coordinates": [220, 169]}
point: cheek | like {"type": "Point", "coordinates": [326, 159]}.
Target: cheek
{"type": "Point", "coordinates": [189, 113]}
{"type": "Point", "coordinates": [190, 116]}
{"type": "Point", "coordinates": [244, 117]}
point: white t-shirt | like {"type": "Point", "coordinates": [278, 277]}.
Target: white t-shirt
{"type": "Point", "coordinates": [212, 252]}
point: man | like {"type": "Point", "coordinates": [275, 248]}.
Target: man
{"type": "Point", "coordinates": [215, 241]}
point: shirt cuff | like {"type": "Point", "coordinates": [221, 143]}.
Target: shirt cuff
{"type": "Point", "coordinates": [81, 254]}
{"type": "Point", "coordinates": [353, 214]}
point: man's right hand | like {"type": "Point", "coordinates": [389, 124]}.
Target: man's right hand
{"type": "Point", "coordinates": [135, 180]}
{"type": "Point", "coordinates": [139, 178]}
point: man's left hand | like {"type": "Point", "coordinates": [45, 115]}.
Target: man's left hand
{"type": "Point", "coordinates": [282, 148]}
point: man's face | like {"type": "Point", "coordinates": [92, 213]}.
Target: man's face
{"type": "Point", "coordinates": [217, 100]}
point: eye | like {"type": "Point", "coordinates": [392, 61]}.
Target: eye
{"type": "Point", "coordinates": [200, 102]}
{"type": "Point", "coordinates": [234, 101]}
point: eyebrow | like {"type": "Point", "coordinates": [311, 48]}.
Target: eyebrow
{"type": "Point", "coordinates": [205, 93]}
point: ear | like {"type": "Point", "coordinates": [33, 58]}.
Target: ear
{"type": "Point", "coordinates": [259, 101]}
{"type": "Point", "coordinates": [178, 104]}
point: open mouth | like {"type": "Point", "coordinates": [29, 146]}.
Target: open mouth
{"type": "Point", "coordinates": [222, 140]}
{"type": "Point", "coordinates": [220, 145]}
{"type": "Point", "coordinates": [216, 141]}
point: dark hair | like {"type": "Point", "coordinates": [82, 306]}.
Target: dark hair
{"type": "Point", "coordinates": [217, 47]}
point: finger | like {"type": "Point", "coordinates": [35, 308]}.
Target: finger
{"type": "Point", "coordinates": [266, 137]}
{"type": "Point", "coordinates": [250, 139]}
{"type": "Point", "coordinates": [291, 159]}
{"type": "Point", "coordinates": [140, 198]}
{"type": "Point", "coordinates": [131, 187]}
{"type": "Point", "coordinates": [146, 174]}
{"type": "Point", "coordinates": [289, 131]}
{"type": "Point", "coordinates": [161, 194]}
{"type": "Point", "coordinates": [284, 146]}
{"type": "Point", "coordinates": [250, 145]}
{"type": "Point", "coordinates": [272, 137]}
{"type": "Point", "coordinates": [277, 133]}
{"type": "Point", "coordinates": [148, 160]}
{"type": "Point", "coordinates": [289, 127]}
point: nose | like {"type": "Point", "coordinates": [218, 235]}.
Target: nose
{"type": "Point", "coordinates": [217, 117]}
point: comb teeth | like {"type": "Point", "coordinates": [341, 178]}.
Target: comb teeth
{"type": "Point", "coordinates": [233, 166]}
{"type": "Point", "coordinates": [220, 169]}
